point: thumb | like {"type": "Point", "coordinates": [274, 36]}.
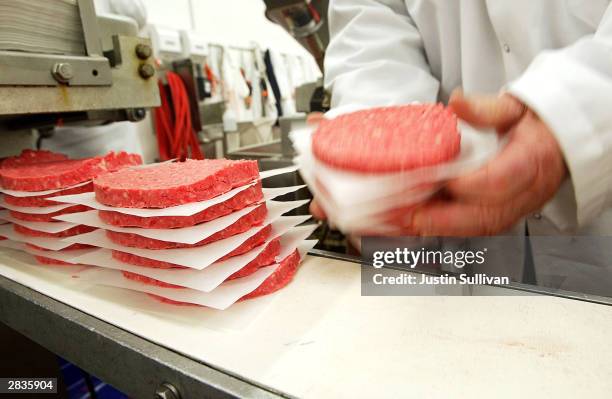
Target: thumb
{"type": "Point", "coordinates": [314, 118]}
{"type": "Point", "coordinates": [317, 211]}
{"type": "Point", "coordinates": [499, 112]}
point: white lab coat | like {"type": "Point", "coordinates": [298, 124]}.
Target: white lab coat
{"type": "Point", "coordinates": [268, 110]}
{"type": "Point", "coordinates": [134, 9]}
{"type": "Point", "coordinates": [555, 55]}
{"type": "Point", "coordinates": [281, 72]}
{"type": "Point", "coordinates": [235, 87]}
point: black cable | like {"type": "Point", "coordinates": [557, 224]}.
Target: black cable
{"type": "Point", "coordinates": [529, 274]}
{"type": "Point", "coordinates": [43, 134]}
{"type": "Point", "coordinates": [90, 386]}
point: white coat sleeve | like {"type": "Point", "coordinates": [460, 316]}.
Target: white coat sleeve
{"type": "Point", "coordinates": [375, 56]}
{"type": "Point", "coordinates": [571, 90]}
{"type": "Point", "coordinates": [134, 9]}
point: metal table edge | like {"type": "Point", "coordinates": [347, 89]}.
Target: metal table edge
{"type": "Point", "coordinates": [600, 300]}
{"type": "Point", "coordinates": [127, 361]}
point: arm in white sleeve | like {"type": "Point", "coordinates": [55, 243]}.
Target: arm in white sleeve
{"type": "Point", "coordinates": [375, 56]}
{"type": "Point", "coordinates": [134, 9]}
{"type": "Point", "coordinates": [571, 90]}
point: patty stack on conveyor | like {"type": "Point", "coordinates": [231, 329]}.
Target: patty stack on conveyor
{"type": "Point", "coordinates": [179, 183]}
{"type": "Point", "coordinates": [30, 181]}
{"type": "Point", "coordinates": [196, 232]}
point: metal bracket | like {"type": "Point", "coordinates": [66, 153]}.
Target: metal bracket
{"type": "Point", "coordinates": [89, 21]}
{"type": "Point", "coordinates": [128, 89]}
{"type": "Point", "coordinates": [31, 69]}
{"type": "Point", "coordinates": [139, 368]}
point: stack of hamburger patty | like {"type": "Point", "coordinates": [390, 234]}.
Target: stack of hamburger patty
{"type": "Point", "coordinates": [169, 185]}
{"type": "Point", "coordinates": [363, 165]}
{"type": "Point", "coordinates": [30, 181]}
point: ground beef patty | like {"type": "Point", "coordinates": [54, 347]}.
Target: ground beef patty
{"type": "Point", "coordinates": [170, 184]}
{"type": "Point", "coordinates": [28, 157]}
{"type": "Point", "coordinates": [241, 200]}
{"type": "Point", "coordinates": [43, 260]}
{"type": "Point", "coordinates": [71, 247]}
{"type": "Point", "coordinates": [254, 241]}
{"type": "Point", "coordinates": [390, 139]}
{"type": "Point", "coordinates": [281, 277]}
{"type": "Point", "coordinates": [148, 280]}
{"type": "Point", "coordinates": [65, 173]}
{"type": "Point", "coordinates": [48, 217]}
{"type": "Point", "coordinates": [73, 231]}
{"type": "Point", "coordinates": [251, 219]}
{"type": "Point", "coordinates": [41, 200]}
{"type": "Point", "coordinates": [265, 258]}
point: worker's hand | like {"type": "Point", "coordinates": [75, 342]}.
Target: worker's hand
{"type": "Point", "coordinates": [520, 180]}
{"type": "Point", "coordinates": [313, 119]}
{"type": "Point", "coordinates": [316, 210]}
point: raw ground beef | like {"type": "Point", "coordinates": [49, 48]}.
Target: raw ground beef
{"type": "Point", "coordinates": [255, 241]}
{"type": "Point", "coordinates": [241, 200]}
{"type": "Point", "coordinates": [28, 157]}
{"type": "Point", "coordinates": [62, 174]}
{"type": "Point", "coordinates": [41, 200]}
{"type": "Point", "coordinates": [265, 258]}
{"type": "Point", "coordinates": [390, 139]}
{"type": "Point", "coordinates": [72, 247]}
{"type": "Point", "coordinates": [148, 280]}
{"type": "Point", "coordinates": [73, 231]}
{"type": "Point", "coordinates": [43, 260]}
{"type": "Point", "coordinates": [279, 279]}
{"type": "Point", "coordinates": [170, 184]}
{"type": "Point", "coordinates": [254, 218]}
{"type": "Point", "coordinates": [48, 217]}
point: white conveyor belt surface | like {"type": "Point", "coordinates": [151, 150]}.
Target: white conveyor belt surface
{"type": "Point", "coordinates": [320, 338]}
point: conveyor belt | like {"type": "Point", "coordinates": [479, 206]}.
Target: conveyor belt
{"type": "Point", "coordinates": [318, 337]}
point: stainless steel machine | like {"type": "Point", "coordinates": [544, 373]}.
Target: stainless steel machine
{"type": "Point", "coordinates": [306, 21]}
{"type": "Point", "coordinates": [107, 75]}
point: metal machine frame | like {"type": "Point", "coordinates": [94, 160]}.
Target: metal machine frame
{"type": "Point", "coordinates": [128, 78]}
{"type": "Point", "coordinates": [27, 69]}
{"type": "Point", "coordinates": [106, 84]}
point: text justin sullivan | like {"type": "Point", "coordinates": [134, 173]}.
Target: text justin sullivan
{"type": "Point", "coordinates": [445, 279]}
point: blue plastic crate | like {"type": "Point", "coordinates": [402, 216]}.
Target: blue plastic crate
{"type": "Point", "coordinates": [74, 378]}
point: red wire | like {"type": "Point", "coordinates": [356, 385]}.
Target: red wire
{"type": "Point", "coordinates": [211, 78]}
{"type": "Point", "coordinates": [314, 12]}
{"type": "Point", "coordinates": [162, 124]}
{"type": "Point", "coordinates": [176, 137]}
